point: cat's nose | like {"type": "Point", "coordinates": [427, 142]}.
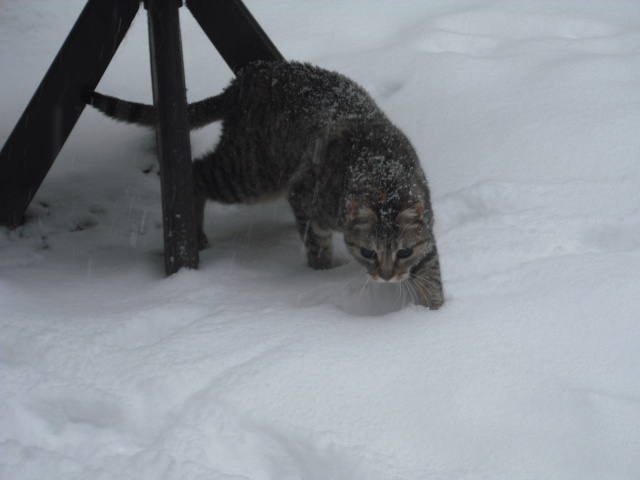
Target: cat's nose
{"type": "Point", "coordinates": [386, 279]}
{"type": "Point", "coordinates": [386, 274]}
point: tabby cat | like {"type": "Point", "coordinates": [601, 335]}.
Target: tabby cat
{"type": "Point", "coordinates": [314, 135]}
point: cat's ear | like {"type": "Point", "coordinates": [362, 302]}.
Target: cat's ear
{"type": "Point", "coordinates": [361, 213]}
{"type": "Point", "coordinates": [412, 214]}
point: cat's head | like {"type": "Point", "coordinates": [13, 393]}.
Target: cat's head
{"type": "Point", "coordinates": [388, 242]}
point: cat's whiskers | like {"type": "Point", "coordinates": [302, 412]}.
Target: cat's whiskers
{"type": "Point", "coordinates": [405, 288]}
{"type": "Point", "coordinates": [398, 294]}
{"type": "Point", "coordinates": [421, 287]}
{"type": "Point", "coordinates": [411, 289]}
{"type": "Point", "coordinates": [365, 286]}
{"type": "Point", "coordinates": [429, 286]}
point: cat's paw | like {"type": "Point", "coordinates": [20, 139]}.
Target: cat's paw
{"type": "Point", "coordinates": [431, 302]}
{"type": "Point", "coordinates": [320, 262]}
{"type": "Point", "coordinates": [428, 294]}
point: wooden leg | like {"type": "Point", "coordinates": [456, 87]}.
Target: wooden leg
{"type": "Point", "coordinates": [233, 31]}
{"type": "Point", "coordinates": [174, 147]}
{"type": "Point", "coordinates": [39, 135]}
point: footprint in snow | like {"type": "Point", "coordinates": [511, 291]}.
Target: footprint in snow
{"type": "Point", "coordinates": [481, 33]}
{"type": "Point", "coordinates": [354, 295]}
{"type": "Point", "coordinates": [486, 199]}
{"type": "Point", "coordinates": [622, 237]}
{"type": "Point", "coordinates": [452, 42]}
{"type": "Point", "coordinates": [61, 408]}
{"type": "Point", "coordinates": [386, 89]}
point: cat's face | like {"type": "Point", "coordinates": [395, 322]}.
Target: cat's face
{"type": "Point", "coordinates": [388, 247]}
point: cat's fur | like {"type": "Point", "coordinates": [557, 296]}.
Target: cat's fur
{"type": "Point", "coordinates": [319, 138]}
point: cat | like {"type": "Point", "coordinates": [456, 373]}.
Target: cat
{"type": "Point", "coordinates": [298, 130]}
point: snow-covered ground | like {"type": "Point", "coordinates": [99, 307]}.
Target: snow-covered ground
{"type": "Point", "coordinates": [526, 116]}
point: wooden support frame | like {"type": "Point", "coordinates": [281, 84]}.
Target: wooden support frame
{"type": "Point", "coordinates": [55, 107]}
{"type": "Point", "coordinates": [233, 31]}
{"type": "Point", "coordinates": [172, 132]}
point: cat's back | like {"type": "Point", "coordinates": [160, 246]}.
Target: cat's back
{"type": "Point", "coordinates": [302, 90]}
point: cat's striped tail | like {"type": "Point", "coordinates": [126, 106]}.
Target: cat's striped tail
{"type": "Point", "coordinates": [200, 113]}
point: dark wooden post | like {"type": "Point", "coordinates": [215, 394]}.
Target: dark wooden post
{"type": "Point", "coordinates": [233, 31]}
{"type": "Point", "coordinates": [57, 104]}
{"type": "Point", "coordinates": [172, 132]}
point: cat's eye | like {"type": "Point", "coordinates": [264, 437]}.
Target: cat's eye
{"type": "Point", "coordinates": [404, 253]}
{"type": "Point", "coordinates": [368, 254]}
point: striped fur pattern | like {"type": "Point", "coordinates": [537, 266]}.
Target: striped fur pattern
{"type": "Point", "coordinates": [200, 114]}
{"type": "Point", "coordinates": [317, 137]}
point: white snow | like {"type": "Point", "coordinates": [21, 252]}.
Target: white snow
{"type": "Point", "coordinates": [526, 116]}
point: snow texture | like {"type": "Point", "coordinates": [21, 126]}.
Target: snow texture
{"type": "Point", "coordinates": [526, 116]}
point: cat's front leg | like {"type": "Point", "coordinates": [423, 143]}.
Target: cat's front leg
{"type": "Point", "coordinates": [318, 244]}
{"type": "Point", "coordinates": [316, 237]}
{"type": "Point", "coordinates": [199, 203]}
{"type": "Point", "coordinates": [426, 281]}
